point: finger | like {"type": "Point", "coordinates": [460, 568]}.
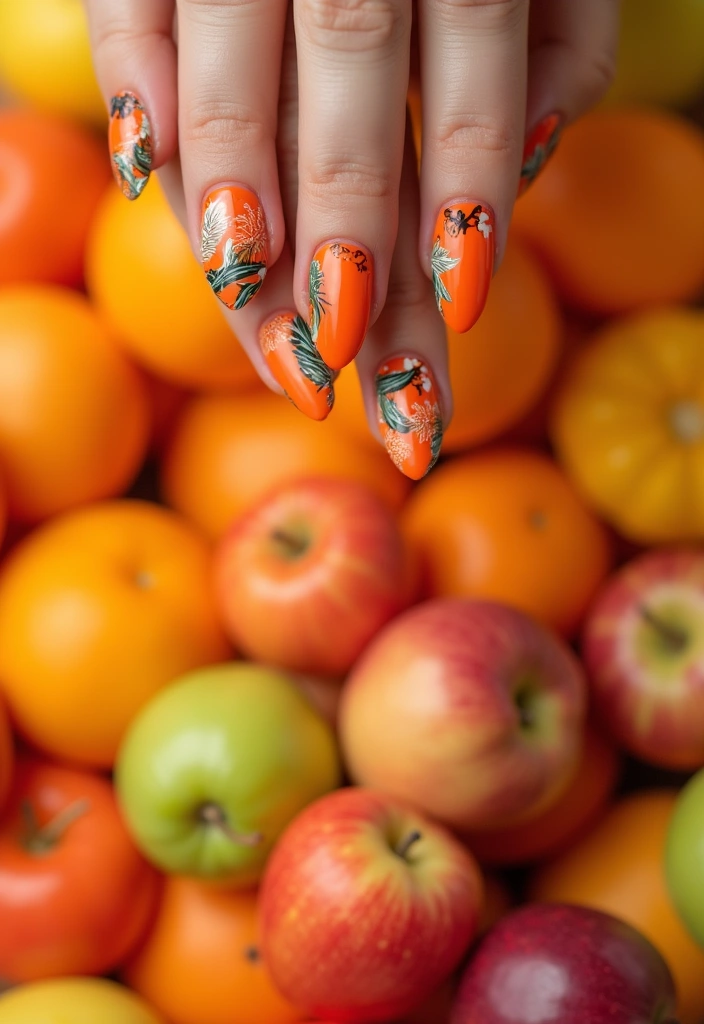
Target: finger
{"type": "Point", "coordinates": [353, 75]}
{"type": "Point", "coordinates": [403, 364]}
{"type": "Point", "coordinates": [473, 60]}
{"type": "Point", "coordinates": [228, 96]}
{"type": "Point", "coordinates": [572, 58]}
{"type": "Point", "coordinates": [135, 63]}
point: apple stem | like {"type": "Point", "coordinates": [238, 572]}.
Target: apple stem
{"type": "Point", "coordinates": [672, 636]}
{"type": "Point", "coordinates": [404, 846]}
{"type": "Point", "coordinates": [294, 545]}
{"type": "Point", "coordinates": [213, 815]}
{"type": "Point", "coordinates": [42, 839]}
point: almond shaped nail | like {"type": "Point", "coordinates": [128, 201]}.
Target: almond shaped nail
{"type": "Point", "coordinates": [410, 419]}
{"type": "Point", "coordinates": [340, 291]}
{"type": "Point", "coordinates": [130, 142]}
{"type": "Point", "coordinates": [462, 262]}
{"type": "Point", "coordinates": [234, 244]}
{"type": "Point", "coordinates": [539, 147]}
{"type": "Point", "coordinates": [295, 363]}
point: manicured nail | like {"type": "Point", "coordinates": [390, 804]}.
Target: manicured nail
{"type": "Point", "coordinates": [410, 420]}
{"type": "Point", "coordinates": [462, 261]}
{"type": "Point", "coordinates": [539, 147]}
{"type": "Point", "coordinates": [287, 346]}
{"type": "Point", "coordinates": [130, 141]}
{"type": "Point", "coordinates": [234, 244]}
{"type": "Point", "coordinates": [340, 292]}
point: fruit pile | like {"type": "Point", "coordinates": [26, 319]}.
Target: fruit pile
{"type": "Point", "coordinates": [285, 738]}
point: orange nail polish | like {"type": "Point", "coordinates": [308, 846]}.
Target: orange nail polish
{"type": "Point", "coordinates": [462, 261]}
{"type": "Point", "coordinates": [287, 346]}
{"type": "Point", "coordinates": [539, 147]}
{"type": "Point", "coordinates": [410, 420]}
{"type": "Point", "coordinates": [340, 292]}
{"type": "Point", "coordinates": [234, 244]}
{"type": "Point", "coordinates": [130, 142]}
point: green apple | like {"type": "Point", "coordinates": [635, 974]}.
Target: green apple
{"type": "Point", "coordinates": [217, 764]}
{"type": "Point", "coordinates": [684, 856]}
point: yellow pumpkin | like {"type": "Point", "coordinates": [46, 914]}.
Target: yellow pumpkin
{"type": "Point", "coordinates": [628, 424]}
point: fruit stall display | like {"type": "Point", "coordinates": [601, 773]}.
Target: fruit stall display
{"type": "Point", "coordinates": [286, 738]}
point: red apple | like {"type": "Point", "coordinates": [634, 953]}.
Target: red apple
{"type": "Point", "coordinates": [468, 710]}
{"type": "Point", "coordinates": [307, 577]}
{"type": "Point", "coordinates": [366, 908]}
{"type": "Point", "coordinates": [644, 652]}
{"type": "Point", "coordinates": [557, 964]}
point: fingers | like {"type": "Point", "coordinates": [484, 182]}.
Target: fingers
{"type": "Point", "coordinates": [135, 62]}
{"type": "Point", "coordinates": [473, 60]}
{"type": "Point", "coordinates": [572, 59]}
{"type": "Point", "coordinates": [403, 364]}
{"type": "Point", "coordinates": [353, 75]}
{"type": "Point", "coordinates": [229, 65]}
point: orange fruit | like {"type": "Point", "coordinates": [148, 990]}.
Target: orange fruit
{"type": "Point", "coordinates": [619, 868]}
{"type": "Point", "coordinates": [99, 609]}
{"type": "Point", "coordinates": [227, 451]}
{"type": "Point", "coordinates": [576, 810]}
{"type": "Point", "coordinates": [6, 756]}
{"type": "Point", "coordinates": [74, 415]}
{"type": "Point", "coordinates": [506, 525]}
{"type": "Point", "coordinates": [52, 176]}
{"type": "Point", "coordinates": [144, 279]}
{"type": "Point", "coordinates": [200, 963]}
{"type": "Point", "coordinates": [3, 510]}
{"type": "Point", "coordinates": [617, 215]}
{"type": "Point", "coordinates": [520, 329]}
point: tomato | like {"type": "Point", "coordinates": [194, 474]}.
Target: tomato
{"type": "Point", "coordinates": [74, 1001]}
{"type": "Point", "coordinates": [75, 895]}
{"type": "Point", "coordinates": [6, 755]}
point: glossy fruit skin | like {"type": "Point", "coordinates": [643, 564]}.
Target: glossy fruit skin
{"type": "Point", "coordinates": [574, 812]}
{"type": "Point", "coordinates": [109, 600]}
{"type": "Point", "coordinates": [684, 856]}
{"type": "Point", "coordinates": [200, 962]}
{"type": "Point", "coordinates": [6, 755]}
{"type": "Point", "coordinates": [39, 155]}
{"type": "Point", "coordinates": [595, 222]}
{"type": "Point", "coordinates": [398, 926]}
{"type": "Point", "coordinates": [82, 906]}
{"type": "Point", "coordinates": [80, 1000]}
{"type": "Point", "coordinates": [161, 309]}
{"type": "Point", "coordinates": [219, 462]}
{"type": "Point", "coordinates": [273, 755]}
{"type": "Point", "coordinates": [619, 868]}
{"type": "Point", "coordinates": [569, 964]}
{"type": "Point", "coordinates": [430, 716]}
{"type": "Point", "coordinates": [74, 414]}
{"type": "Point", "coordinates": [506, 514]}
{"type": "Point", "coordinates": [628, 424]}
{"type": "Point", "coordinates": [314, 610]}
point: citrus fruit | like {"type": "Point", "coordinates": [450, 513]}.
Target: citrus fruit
{"type": "Point", "coordinates": [144, 279]}
{"type": "Point", "coordinates": [228, 451]}
{"type": "Point", "coordinates": [74, 1001]}
{"type": "Point", "coordinates": [506, 525]}
{"type": "Point", "coordinates": [99, 609]}
{"type": "Point", "coordinates": [52, 176]}
{"type": "Point", "coordinates": [74, 415]}
{"type": "Point", "coordinates": [617, 215]}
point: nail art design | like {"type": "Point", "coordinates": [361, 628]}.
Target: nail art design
{"type": "Point", "coordinates": [462, 261]}
{"type": "Point", "coordinates": [340, 293]}
{"type": "Point", "coordinates": [539, 147]}
{"type": "Point", "coordinates": [234, 245]}
{"type": "Point", "coordinates": [287, 345]}
{"type": "Point", "coordinates": [130, 142]}
{"type": "Point", "coordinates": [409, 415]}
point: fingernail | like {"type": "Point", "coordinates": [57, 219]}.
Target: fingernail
{"type": "Point", "coordinates": [539, 147]}
{"type": "Point", "coordinates": [234, 244]}
{"type": "Point", "coordinates": [462, 262]}
{"type": "Point", "coordinates": [295, 363]}
{"type": "Point", "coordinates": [130, 142]}
{"type": "Point", "coordinates": [410, 420]}
{"type": "Point", "coordinates": [340, 294]}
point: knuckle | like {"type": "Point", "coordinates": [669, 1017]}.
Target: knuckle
{"type": "Point", "coordinates": [222, 126]}
{"type": "Point", "coordinates": [601, 73]}
{"type": "Point", "coordinates": [354, 25]}
{"type": "Point", "coordinates": [484, 13]}
{"type": "Point", "coordinates": [458, 138]}
{"type": "Point", "coordinates": [409, 292]}
{"type": "Point", "coordinates": [327, 180]}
